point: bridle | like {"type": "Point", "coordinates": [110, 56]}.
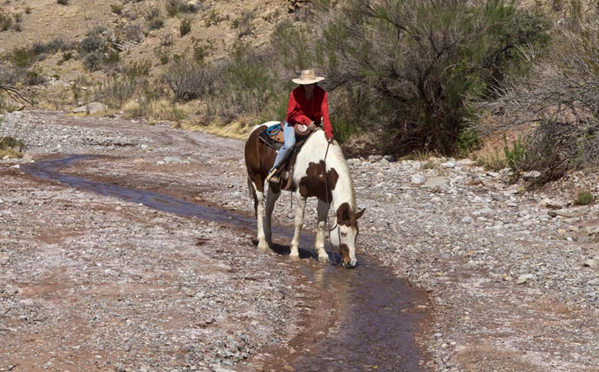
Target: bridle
{"type": "Point", "coordinates": [336, 225]}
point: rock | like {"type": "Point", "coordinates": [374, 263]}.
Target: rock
{"type": "Point", "coordinates": [119, 367]}
{"type": "Point", "coordinates": [593, 282]}
{"type": "Point", "coordinates": [3, 259]}
{"type": "Point", "coordinates": [448, 164]}
{"type": "Point", "coordinates": [417, 179]}
{"type": "Point", "coordinates": [390, 158]}
{"type": "Point", "coordinates": [531, 175]}
{"type": "Point", "coordinates": [467, 219]}
{"type": "Point", "coordinates": [28, 158]}
{"type": "Point", "coordinates": [590, 263]}
{"type": "Point", "coordinates": [11, 290]}
{"type": "Point", "coordinates": [91, 108]}
{"type": "Point", "coordinates": [524, 278]}
{"type": "Point", "coordinates": [374, 158]}
{"type": "Point", "coordinates": [483, 212]}
{"type": "Point", "coordinates": [436, 182]}
{"type": "Point", "coordinates": [573, 214]}
{"type": "Point", "coordinates": [551, 204]}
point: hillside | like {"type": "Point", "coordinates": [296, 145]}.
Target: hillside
{"type": "Point", "coordinates": [134, 27]}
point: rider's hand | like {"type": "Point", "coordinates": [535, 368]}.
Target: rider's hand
{"type": "Point", "coordinates": [312, 126]}
{"type": "Point", "coordinates": [330, 140]}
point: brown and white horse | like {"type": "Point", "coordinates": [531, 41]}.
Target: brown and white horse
{"type": "Point", "coordinates": [308, 180]}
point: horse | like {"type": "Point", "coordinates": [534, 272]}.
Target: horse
{"type": "Point", "coordinates": [329, 181]}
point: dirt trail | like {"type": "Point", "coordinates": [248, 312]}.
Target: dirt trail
{"type": "Point", "coordinates": [512, 275]}
{"type": "Point", "coordinates": [136, 308]}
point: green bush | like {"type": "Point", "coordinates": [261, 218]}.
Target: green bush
{"type": "Point", "coordinates": [92, 43]}
{"type": "Point", "coordinates": [117, 9]}
{"type": "Point", "coordinates": [5, 22]}
{"type": "Point", "coordinates": [185, 27]}
{"type": "Point", "coordinates": [414, 67]}
{"type": "Point", "coordinates": [93, 61]}
{"type": "Point", "coordinates": [23, 57]}
{"type": "Point", "coordinates": [584, 198]}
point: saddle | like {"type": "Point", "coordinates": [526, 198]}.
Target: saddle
{"type": "Point", "coordinates": [273, 138]}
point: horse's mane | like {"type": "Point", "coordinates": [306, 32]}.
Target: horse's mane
{"type": "Point", "coordinates": [336, 159]}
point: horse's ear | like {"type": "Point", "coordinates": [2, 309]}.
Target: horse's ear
{"type": "Point", "coordinates": [360, 213]}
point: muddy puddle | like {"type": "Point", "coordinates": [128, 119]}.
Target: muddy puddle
{"type": "Point", "coordinates": [377, 315]}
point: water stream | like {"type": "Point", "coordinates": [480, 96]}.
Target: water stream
{"type": "Point", "coordinates": [377, 312]}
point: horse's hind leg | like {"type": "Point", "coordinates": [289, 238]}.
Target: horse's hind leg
{"type": "Point", "coordinates": [271, 199]}
{"type": "Point", "coordinates": [259, 209]}
{"type": "Point", "coordinates": [323, 209]}
{"type": "Point", "coordinates": [299, 222]}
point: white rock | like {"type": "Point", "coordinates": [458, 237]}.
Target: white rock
{"type": "Point", "coordinates": [436, 182]}
{"type": "Point", "coordinates": [524, 278]}
{"type": "Point", "coordinates": [418, 179]}
{"type": "Point", "coordinates": [448, 164]}
{"type": "Point", "coordinates": [531, 175]}
{"type": "Point", "coordinates": [91, 108]}
{"type": "Point", "coordinates": [467, 219]}
{"type": "Point", "coordinates": [590, 263]}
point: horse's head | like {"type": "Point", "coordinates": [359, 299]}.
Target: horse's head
{"type": "Point", "coordinates": [345, 234]}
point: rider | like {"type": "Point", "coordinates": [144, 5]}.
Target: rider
{"type": "Point", "coordinates": [308, 105]}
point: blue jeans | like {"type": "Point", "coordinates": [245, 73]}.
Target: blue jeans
{"type": "Point", "coordinates": [285, 151]}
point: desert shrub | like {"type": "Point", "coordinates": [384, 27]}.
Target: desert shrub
{"type": "Point", "coordinates": [6, 21]}
{"type": "Point", "coordinates": [93, 61]}
{"type": "Point", "coordinates": [112, 59]}
{"type": "Point", "coordinates": [152, 15]}
{"type": "Point", "coordinates": [415, 66]}
{"type": "Point", "coordinates": [128, 33]}
{"type": "Point", "coordinates": [584, 198]}
{"type": "Point", "coordinates": [34, 77]}
{"type": "Point", "coordinates": [174, 7]}
{"type": "Point", "coordinates": [23, 57]}
{"type": "Point", "coordinates": [67, 56]}
{"type": "Point", "coordinates": [244, 23]}
{"type": "Point", "coordinates": [28, 9]}
{"type": "Point", "coordinates": [18, 20]}
{"type": "Point", "coordinates": [53, 46]}
{"type": "Point", "coordinates": [62, 2]}
{"type": "Point", "coordinates": [156, 23]}
{"type": "Point", "coordinates": [189, 79]}
{"type": "Point", "coordinates": [117, 9]}
{"type": "Point", "coordinates": [561, 98]}
{"type": "Point", "coordinates": [92, 43]}
{"type": "Point", "coordinates": [244, 85]}
{"type": "Point", "coordinates": [185, 27]}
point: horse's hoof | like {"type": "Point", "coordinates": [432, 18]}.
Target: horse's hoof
{"type": "Point", "coordinates": [294, 257]}
{"type": "Point", "coordinates": [263, 246]}
{"type": "Point", "coordinates": [324, 258]}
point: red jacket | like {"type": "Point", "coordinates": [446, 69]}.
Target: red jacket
{"type": "Point", "coordinates": [301, 110]}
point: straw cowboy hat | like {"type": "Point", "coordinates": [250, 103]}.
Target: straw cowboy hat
{"type": "Point", "coordinates": [308, 77]}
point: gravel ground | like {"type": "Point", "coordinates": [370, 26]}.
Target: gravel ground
{"type": "Point", "coordinates": [513, 275]}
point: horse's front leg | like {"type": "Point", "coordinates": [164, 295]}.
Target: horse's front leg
{"type": "Point", "coordinates": [299, 222]}
{"type": "Point", "coordinates": [271, 199]}
{"type": "Point", "coordinates": [323, 209]}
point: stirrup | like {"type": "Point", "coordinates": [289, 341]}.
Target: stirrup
{"type": "Point", "coordinates": [272, 177]}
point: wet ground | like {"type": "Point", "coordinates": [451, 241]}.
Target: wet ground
{"type": "Point", "coordinates": [372, 315]}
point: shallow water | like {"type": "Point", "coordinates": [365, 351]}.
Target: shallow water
{"type": "Point", "coordinates": [377, 312]}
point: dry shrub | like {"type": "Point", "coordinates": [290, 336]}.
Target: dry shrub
{"type": "Point", "coordinates": [561, 99]}
{"type": "Point", "coordinates": [413, 67]}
